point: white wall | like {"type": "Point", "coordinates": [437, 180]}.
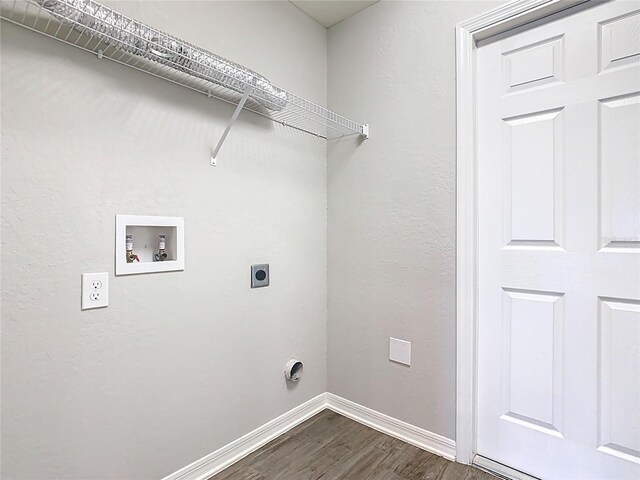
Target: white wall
{"type": "Point", "coordinates": [392, 209]}
{"type": "Point", "coordinates": [180, 363]}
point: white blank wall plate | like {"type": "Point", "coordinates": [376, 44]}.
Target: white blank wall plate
{"type": "Point", "coordinates": [399, 351]}
{"type": "Point", "coordinates": [95, 290]}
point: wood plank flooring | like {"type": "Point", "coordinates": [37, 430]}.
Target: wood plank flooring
{"type": "Point", "coordinates": [329, 446]}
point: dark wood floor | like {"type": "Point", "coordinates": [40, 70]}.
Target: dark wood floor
{"type": "Point", "coordinates": [329, 446]}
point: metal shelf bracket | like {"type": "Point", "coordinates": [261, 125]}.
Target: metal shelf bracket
{"type": "Point", "coordinates": [234, 117]}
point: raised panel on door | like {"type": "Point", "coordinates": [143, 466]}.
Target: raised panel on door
{"type": "Point", "coordinates": [533, 179]}
{"type": "Point", "coordinates": [620, 172]}
{"type": "Point", "coordinates": [620, 41]}
{"type": "Point", "coordinates": [619, 372]}
{"type": "Point", "coordinates": [533, 65]}
{"type": "Point", "coordinates": [532, 359]}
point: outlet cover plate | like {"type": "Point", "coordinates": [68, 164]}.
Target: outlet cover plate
{"type": "Point", "coordinates": [95, 290]}
{"type": "Point", "coordinates": [400, 351]}
{"type": "Point", "coordinates": [260, 275]}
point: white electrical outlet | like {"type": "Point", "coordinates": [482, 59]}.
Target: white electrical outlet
{"type": "Point", "coordinates": [95, 290]}
{"type": "Point", "coordinates": [400, 351]}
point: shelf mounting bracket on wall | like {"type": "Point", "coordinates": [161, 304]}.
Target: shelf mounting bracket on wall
{"type": "Point", "coordinates": [234, 117]}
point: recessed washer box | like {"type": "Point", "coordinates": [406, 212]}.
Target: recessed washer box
{"type": "Point", "coordinates": [145, 231]}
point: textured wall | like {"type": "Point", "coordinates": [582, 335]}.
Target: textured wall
{"type": "Point", "coordinates": [392, 209]}
{"type": "Point", "coordinates": [180, 363]}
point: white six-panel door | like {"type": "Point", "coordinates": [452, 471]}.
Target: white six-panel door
{"type": "Point", "coordinates": [559, 246]}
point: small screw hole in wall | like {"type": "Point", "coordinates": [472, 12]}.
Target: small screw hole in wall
{"type": "Point", "coordinates": [261, 275]}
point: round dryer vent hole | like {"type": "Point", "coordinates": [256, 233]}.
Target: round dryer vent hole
{"type": "Point", "coordinates": [293, 370]}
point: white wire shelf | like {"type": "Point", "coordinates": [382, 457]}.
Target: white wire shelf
{"type": "Point", "coordinates": [297, 113]}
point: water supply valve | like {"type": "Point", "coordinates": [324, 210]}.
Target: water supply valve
{"type": "Point", "coordinates": [131, 257]}
{"type": "Point", "coordinates": [161, 256]}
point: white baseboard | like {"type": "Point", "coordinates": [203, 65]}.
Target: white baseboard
{"type": "Point", "coordinates": [217, 461]}
{"type": "Point", "coordinates": [226, 456]}
{"type": "Point", "coordinates": [431, 442]}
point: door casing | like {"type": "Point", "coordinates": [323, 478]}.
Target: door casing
{"type": "Point", "coordinates": [512, 15]}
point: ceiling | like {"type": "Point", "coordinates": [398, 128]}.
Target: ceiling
{"type": "Point", "coordinates": [330, 12]}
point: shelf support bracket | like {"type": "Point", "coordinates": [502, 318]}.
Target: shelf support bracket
{"type": "Point", "coordinates": [234, 117]}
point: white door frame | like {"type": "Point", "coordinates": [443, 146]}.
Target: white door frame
{"type": "Point", "coordinates": [505, 17]}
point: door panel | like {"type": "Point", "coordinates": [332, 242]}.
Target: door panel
{"type": "Point", "coordinates": [559, 246]}
{"type": "Point", "coordinates": [533, 352]}
{"type": "Point", "coordinates": [619, 409]}
{"type": "Point", "coordinates": [533, 183]}
{"type": "Point", "coordinates": [620, 41]}
{"type": "Point", "coordinates": [620, 172]}
{"type": "Point", "coordinates": [533, 65]}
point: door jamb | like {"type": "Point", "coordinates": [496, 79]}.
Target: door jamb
{"type": "Point", "coordinates": [498, 20]}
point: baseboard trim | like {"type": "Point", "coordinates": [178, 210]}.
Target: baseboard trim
{"type": "Point", "coordinates": [226, 456]}
{"type": "Point", "coordinates": [406, 432]}
{"type": "Point", "coordinates": [222, 458]}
